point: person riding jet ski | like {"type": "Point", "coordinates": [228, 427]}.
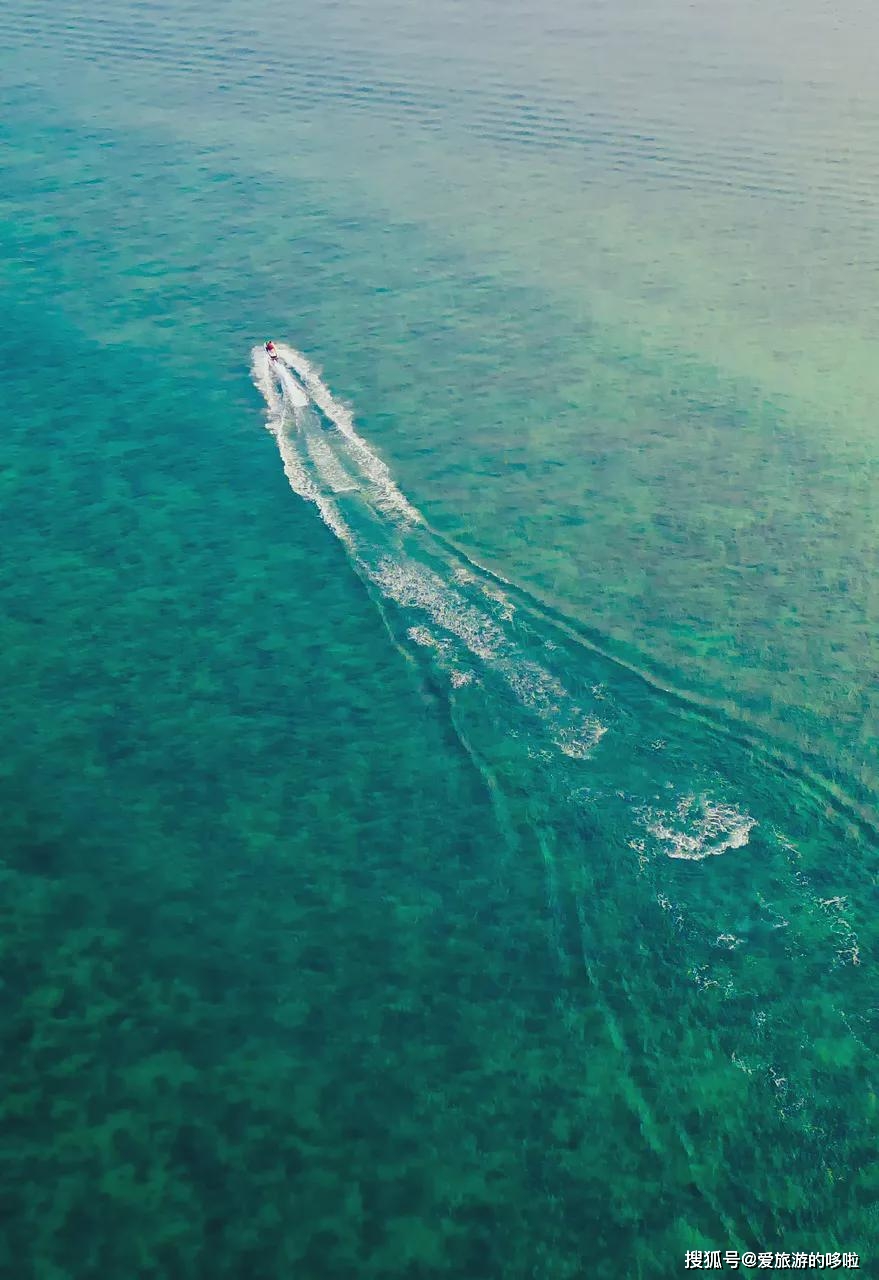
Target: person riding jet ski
{"type": "Point", "coordinates": [270, 348]}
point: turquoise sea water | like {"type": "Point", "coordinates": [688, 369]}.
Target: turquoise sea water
{"type": "Point", "coordinates": [440, 831]}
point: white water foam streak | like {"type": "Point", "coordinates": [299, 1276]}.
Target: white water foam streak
{"type": "Point", "coordinates": [343, 419]}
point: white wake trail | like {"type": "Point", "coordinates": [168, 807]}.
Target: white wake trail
{"type": "Point", "coordinates": [278, 412]}
{"type": "Point", "coordinates": [343, 419]}
{"type": "Point", "coordinates": [520, 702]}
{"type": "Point", "coordinates": [391, 547]}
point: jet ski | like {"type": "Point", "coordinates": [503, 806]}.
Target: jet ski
{"type": "Point", "coordinates": [291, 389]}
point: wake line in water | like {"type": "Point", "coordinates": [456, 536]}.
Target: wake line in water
{"type": "Point", "coordinates": [492, 648]}
{"type": "Point", "coordinates": [800, 767]}
{"type": "Point", "coordinates": [520, 722]}
{"type": "Point", "coordinates": [387, 495]}
{"type": "Point", "coordinates": [488, 641]}
{"type": "Point", "coordinates": [343, 420]}
{"type": "Point", "coordinates": [574, 773]}
{"type": "Point", "coordinates": [476, 631]}
{"type": "Point", "coordinates": [392, 549]}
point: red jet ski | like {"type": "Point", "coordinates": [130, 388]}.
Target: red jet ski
{"type": "Point", "coordinates": [272, 353]}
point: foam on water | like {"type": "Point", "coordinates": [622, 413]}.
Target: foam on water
{"type": "Point", "coordinates": [328, 465]}
{"type": "Point", "coordinates": [292, 391]}
{"type": "Point", "coordinates": [343, 419]}
{"type": "Point", "coordinates": [699, 828]}
{"type": "Point", "coordinates": [277, 410]}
